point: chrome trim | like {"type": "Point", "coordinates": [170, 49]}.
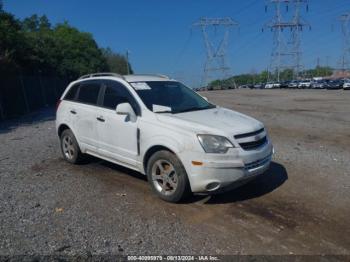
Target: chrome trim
{"type": "Point", "coordinates": [257, 164]}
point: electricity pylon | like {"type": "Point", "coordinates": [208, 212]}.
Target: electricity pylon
{"type": "Point", "coordinates": [286, 53]}
{"type": "Point", "coordinates": [216, 54]}
{"type": "Point", "coordinates": [345, 26]}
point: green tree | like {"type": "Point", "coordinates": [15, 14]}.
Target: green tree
{"type": "Point", "coordinates": [117, 63]}
{"type": "Point", "coordinates": [35, 23]}
{"type": "Point", "coordinates": [44, 23]}
{"type": "Point", "coordinates": [31, 24]}
{"type": "Point", "coordinates": [76, 53]}
{"type": "Point", "coordinates": [33, 46]}
{"type": "Point", "coordinates": [286, 74]}
{"type": "Point", "coordinates": [263, 76]}
{"type": "Point", "coordinates": [12, 44]}
{"type": "Point", "coordinates": [319, 71]}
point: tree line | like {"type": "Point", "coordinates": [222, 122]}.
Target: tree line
{"type": "Point", "coordinates": [265, 76]}
{"type": "Point", "coordinates": [34, 46]}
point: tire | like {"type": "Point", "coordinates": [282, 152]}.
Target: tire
{"type": "Point", "coordinates": [70, 148]}
{"type": "Point", "coordinates": [168, 177]}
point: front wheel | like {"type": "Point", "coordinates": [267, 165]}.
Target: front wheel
{"type": "Point", "coordinates": [168, 177]}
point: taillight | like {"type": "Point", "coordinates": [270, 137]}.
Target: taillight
{"type": "Point", "coordinates": [58, 104]}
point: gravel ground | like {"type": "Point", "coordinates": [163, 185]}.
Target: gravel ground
{"type": "Point", "coordinates": [300, 206]}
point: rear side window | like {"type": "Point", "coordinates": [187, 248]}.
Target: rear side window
{"type": "Point", "coordinates": [72, 92]}
{"type": "Point", "coordinates": [88, 92]}
{"type": "Point", "coordinates": [115, 94]}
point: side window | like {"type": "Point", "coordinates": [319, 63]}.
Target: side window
{"type": "Point", "coordinates": [71, 94]}
{"type": "Point", "coordinates": [115, 94]}
{"type": "Point", "coordinates": [88, 92]}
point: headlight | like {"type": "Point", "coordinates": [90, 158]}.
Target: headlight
{"type": "Point", "coordinates": [214, 144]}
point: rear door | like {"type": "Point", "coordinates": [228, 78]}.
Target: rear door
{"type": "Point", "coordinates": [84, 114]}
{"type": "Point", "coordinates": [118, 135]}
{"type": "Point", "coordinates": [67, 112]}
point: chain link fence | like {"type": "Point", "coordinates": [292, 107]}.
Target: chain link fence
{"type": "Point", "coordinates": [22, 94]}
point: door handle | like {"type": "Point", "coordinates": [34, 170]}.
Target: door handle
{"type": "Point", "coordinates": [100, 118]}
{"type": "Point", "coordinates": [73, 112]}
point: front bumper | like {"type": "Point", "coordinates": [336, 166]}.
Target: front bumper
{"type": "Point", "coordinates": [227, 171]}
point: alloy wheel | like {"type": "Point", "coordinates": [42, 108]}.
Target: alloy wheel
{"type": "Point", "coordinates": [68, 147]}
{"type": "Point", "coordinates": [164, 177]}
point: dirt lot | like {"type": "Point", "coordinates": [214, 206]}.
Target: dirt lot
{"type": "Point", "coordinates": [300, 206]}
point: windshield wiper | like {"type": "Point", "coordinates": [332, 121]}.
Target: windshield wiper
{"type": "Point", "coordinates": [195, 108]}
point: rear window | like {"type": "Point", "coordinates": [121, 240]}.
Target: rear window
{"type": "Point", "coordinates": [71, 95]}
{"type": "Point", "coordinates": [88, 93]}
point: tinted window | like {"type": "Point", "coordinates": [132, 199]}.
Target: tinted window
{"type": "Point", "coordinates": [88, 92]}
{"type": "Point", "coordinates": [72, 92]}
{"type": "Point", "coordinates": [116, 94]}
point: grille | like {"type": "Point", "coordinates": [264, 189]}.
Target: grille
{"type": "Point", "coordinates": [254, 144]}
{"type": "Point", "coordinates": [249, 134]}
{"type": "Point", "coordinates": [257, 163]}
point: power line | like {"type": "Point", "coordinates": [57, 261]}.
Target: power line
{"type": "Point", "coordinates": [216, 54]}
{"type": "Point", "coordinates": [286, 52]}
{"type": "Point", "coordinates": [345, 28]}
{"type": "Point", "coordinates": [182, 51]}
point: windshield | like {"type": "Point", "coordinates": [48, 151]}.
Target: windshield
{"type": "Point", "coordinates": [172, 97]}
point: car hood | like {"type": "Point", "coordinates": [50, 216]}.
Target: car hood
{"type": "Point", "coordinates": [217, 120]}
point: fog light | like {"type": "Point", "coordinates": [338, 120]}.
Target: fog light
{"type": "Point", "coordinates": [212, 186]}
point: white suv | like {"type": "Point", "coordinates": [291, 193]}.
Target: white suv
{"type": "Point", "coordinates": [163, 129]}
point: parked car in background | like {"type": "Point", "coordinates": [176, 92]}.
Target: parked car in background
{"type": "Point", "coordinates": [284, 84]}
{"type": "Point", "coordinates": [335, 84]}
{"type": "Point", "coordinates": [304, 84]}
{"type": "Point", "coordinates": [293, 84]}
{"type": "Point", "coordinates": [162, 129]}
{"type": "Point", "coordinates": [318, 84]}
{"type": "Point", "coordinates": [259, 86]}
{"type": "Point", "coordinates": [270, 85]}
{"type": "Point", "coordinates": [247, 86]}
{"type": "Point", "coordinates": [346, 85]}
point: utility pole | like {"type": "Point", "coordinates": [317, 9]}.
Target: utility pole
{"type": "Point", "coordinates": [127, 62]}
{"type": "Point", "coordinates": [345, 28]}
{"type": "Point", "coordinates": [286, 53]}
{"type": "Point", "coordinates": [2, 115]}
{"type": "Point", "coordinates": [216, 54]}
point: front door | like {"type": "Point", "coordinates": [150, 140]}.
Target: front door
{"type": "Point", "coordinates": [118, 135]}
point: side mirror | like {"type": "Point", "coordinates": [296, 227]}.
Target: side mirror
{"type": "Point", "coordinates": [126, 109]}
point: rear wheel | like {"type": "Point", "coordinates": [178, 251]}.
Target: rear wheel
{"type": "Point", "coordinates": [168, 177]}
{"type": "Point", "coordinates": [70, 148]}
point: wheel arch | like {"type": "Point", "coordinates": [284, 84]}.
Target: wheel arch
{"type": "Point", "coordinates": [61, 128]}
{"type": "Point", "coordinates": [153, 149]}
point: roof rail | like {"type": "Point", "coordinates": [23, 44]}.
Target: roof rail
{"type": "Point", "coordinates": [158, 75]}
{"type": "Point", "coordinates": [101, 74]}
{"type": "Point", "coordinates": [163, 76]}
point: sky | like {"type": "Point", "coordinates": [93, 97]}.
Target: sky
{"type": "Point", "coordinates": [161, 39]}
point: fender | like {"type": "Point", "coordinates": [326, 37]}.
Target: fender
{"type": "Point", "coordinates": [159, 140]}
{"type": "Point", "coordinates": [71, 129]}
